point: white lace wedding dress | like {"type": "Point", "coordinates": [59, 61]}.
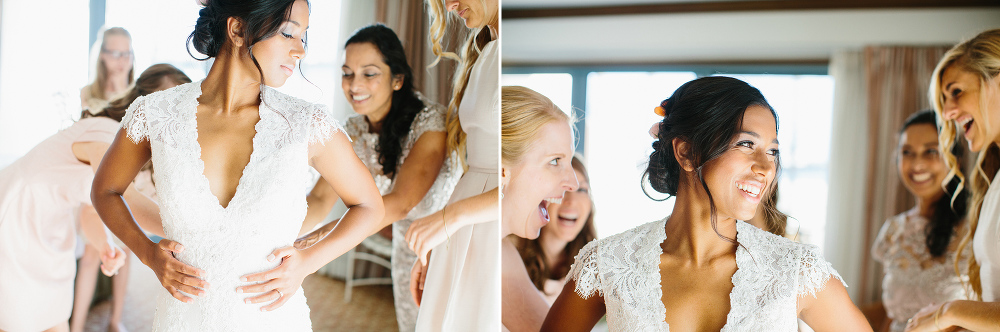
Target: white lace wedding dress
{"type": "Point", "coordinates": [265, 213]}
{"type": "Point", "coordinates": [772, 273]}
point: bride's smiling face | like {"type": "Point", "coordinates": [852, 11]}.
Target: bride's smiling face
{"type": "Point", "coordinates": [544, 173]}
{"type": "Point", "coordinates": [739, 178]}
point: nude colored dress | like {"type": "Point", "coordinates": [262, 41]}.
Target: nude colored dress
{"type": "Point", "coordinates": [40, 197]}
{"type": "Point", "coordinates": [462, 289]}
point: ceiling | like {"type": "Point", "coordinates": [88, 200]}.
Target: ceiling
{"type": "Point", "coordinates": [517, 4]}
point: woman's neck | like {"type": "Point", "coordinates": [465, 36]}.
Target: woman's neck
{"type": "Point", "coordinates": [552, 249]}
{"type": "Point", "coordinates": [689, 230]}
{"type": "Point", "coordinates": [115, 84]}
{"type": "Point", "coordinates": [230, 86]}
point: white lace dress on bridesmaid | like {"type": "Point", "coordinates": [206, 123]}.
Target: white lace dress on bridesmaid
{"type": "Point", "coordinates": [913, 278]}
{"type": "Point", "coordinates": [265, 213]}
{"type": "Point", "coordinates": [431, 118]}
{"type": "Point", "coordinates": [772, 272]}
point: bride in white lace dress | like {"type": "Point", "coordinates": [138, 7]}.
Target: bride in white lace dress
{"type": "Point", "coordinates": [701, 268]}
{"type": "Point", "coordinates": [231, 157]}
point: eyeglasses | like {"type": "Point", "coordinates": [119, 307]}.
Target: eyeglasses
{"type": "Point", "coordinates": [117, 54]}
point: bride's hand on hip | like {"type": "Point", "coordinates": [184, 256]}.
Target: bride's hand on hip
{"type": "Point", "coordinates": [280, 283]}
{"type": "Point", "coordinates": [174, 275]}
{"type": "Point", "coordinates": [426, 233]}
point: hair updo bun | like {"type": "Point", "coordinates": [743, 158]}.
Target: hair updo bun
{"type": "Point", "coordinates": [706, 113]}
{"type": "Point", "coordinates": [260, 19]}
{"type": "Point", "coordinates": [204, 37]}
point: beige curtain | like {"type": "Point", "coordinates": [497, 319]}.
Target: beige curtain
{"type": "Point", "coordinates": [897, 78]}
{"type": "Point", "coordinates": [410, 20]}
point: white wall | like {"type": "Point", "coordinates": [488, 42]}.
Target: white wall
{"type": "Point", "coordinates": [766, 35]}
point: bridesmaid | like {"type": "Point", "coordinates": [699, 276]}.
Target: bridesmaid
{"type": "Point", "coordinates": [43, 193]}
{"type": "Point", "coordinates": [400, 136]}
{"type": "Point", "coordinates": [965, 91]}
{"type": "Point", "coordinates": [462, 290]}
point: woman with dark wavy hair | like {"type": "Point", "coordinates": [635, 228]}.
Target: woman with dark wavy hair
{"type": "Point", "coordinates": [231, 154]}
{"type": "Point", "coordinates": [702, 268]}
{"type": "Point", "coordinates": [917, 247]}
{"type": "Point", "coordinates": [400, 136]}
{"type": "Point", "coordinates": [43, 194]}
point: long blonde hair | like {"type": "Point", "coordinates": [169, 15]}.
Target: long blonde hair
{"type": "Point", "coordinates": [470, 50]}
{"type": "Point", "coordinates": [981, 56]}
{"type": "Point", "coordinates": [96, 88]}
{"type": "Point", "coordinates": [522, 113]}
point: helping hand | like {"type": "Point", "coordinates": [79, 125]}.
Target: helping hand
{"type": "Point", "coordinates": [112, 259]}
{"type": "Point", "coordinates": [174, 275]}
{"type": "Point", "coordinates": [924, 320]}
{"type": "Point", "coordinates": [418, 274]}
{"type": "Point", "coordinates": [280, 283]}
{"type": "Point", "coordinates": [426, 233]}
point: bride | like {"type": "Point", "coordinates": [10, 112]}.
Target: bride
{"type": "Point", "coordinates": [230, 154]}
{"type": "Point", "coordinates": [701, 268]}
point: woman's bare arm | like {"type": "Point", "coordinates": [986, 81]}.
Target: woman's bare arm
{"type": "Point", "coordinates": [571, 313]}
{"type": "Point", "coordinates": [121, 163]}
{"type": "Point", "coordinates": [415, 176]}
{"type": "Point", "coordinates": [832, 310]}
{"type": "Point", "coordinates": [428, 232]}
{"type": "Point", "coordinates": [523, 308]}
{"type": "Point", "coordinates": [969, 315]}
{"type": "Point", "coordinates": [146, 212]}
{"type": "Point", "coordinates": [321, 199]}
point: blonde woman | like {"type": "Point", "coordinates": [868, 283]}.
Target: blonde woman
{"type": "Point", "coordinates": [965, 91]}
{"type": "Point", "coordinates": [114, 70]}
{"type": "Point", "coordinates": [536, 170]}
{"type": "Point", "coordinates": [462, 280]}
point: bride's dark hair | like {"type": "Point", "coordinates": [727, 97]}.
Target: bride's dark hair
{"type": "Point", "coordinates": [707, 113]}
{"type": "Point", "coordinates": [260, 20]}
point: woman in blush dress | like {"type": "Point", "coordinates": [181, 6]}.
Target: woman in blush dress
{"type": "Point", "coordinates": [462, 281]}
{"type": "Point", "coordinates": [231, 154]}
{"type": "Point", "coordinates": [701, 268]}
{"type": "Point", "coordinates": [965, 92]}
{"type": "Point", "coordinates": [536, 172]}
{"type": "Point", "coordinates": [44, 192]}
{"type": "Point", "coordinates": [917, 247]}
{"type": "Point", "coordinates": [571, 226]}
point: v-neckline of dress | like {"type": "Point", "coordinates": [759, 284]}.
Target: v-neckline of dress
{"type": "Point", "coordinates": [200, 163]}
{"type": "Point", "coordinates": [740, 251]}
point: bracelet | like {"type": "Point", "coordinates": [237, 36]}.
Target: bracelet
{"type": "Point", "coordinates": [936, 315]}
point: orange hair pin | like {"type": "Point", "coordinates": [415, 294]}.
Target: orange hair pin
{"type": "Point", "coordinates": [660, 111]}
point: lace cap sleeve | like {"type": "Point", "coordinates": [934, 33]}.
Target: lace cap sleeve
{"type": "Point", "coordinates": [884, 239]}
{"type": "Point", "coordinates": [814, 271]}
{"type": "Point", "coordinates": [584, 271]}
{"type": "Point", "coordinates": [322, 125]}
{"type": "Point", "coordinates": [134, 122]}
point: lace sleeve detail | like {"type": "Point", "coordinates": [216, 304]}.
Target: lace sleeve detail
{"type": "Point", "coordinates": [134, 122]}
{"type": "Point", "coordinates": [322, 125]}
{"type": "Point", "coordinates": [584, 271]}
{"type": "Point", "coordinates": [884, 240]}
{"type": "Point", "coordinates": [814, 271]}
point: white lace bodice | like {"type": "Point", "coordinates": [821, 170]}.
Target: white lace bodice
{"type": "Point", "coordinates": [431, 118]}
{"type": "Point", "coordinates": [913, 278]}
{"type": "Point", "coordinates": [772, 273]}
{"type": "Point", "coordinates": [265, 213]}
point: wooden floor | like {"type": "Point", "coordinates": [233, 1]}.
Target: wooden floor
{"type": "Point", "coordinates": [370, 309]}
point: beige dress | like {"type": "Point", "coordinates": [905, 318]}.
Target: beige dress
{"type": "Point", "coordinates": [40, 197]}
{"type": "Point", "coordinates": [462, 290]}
